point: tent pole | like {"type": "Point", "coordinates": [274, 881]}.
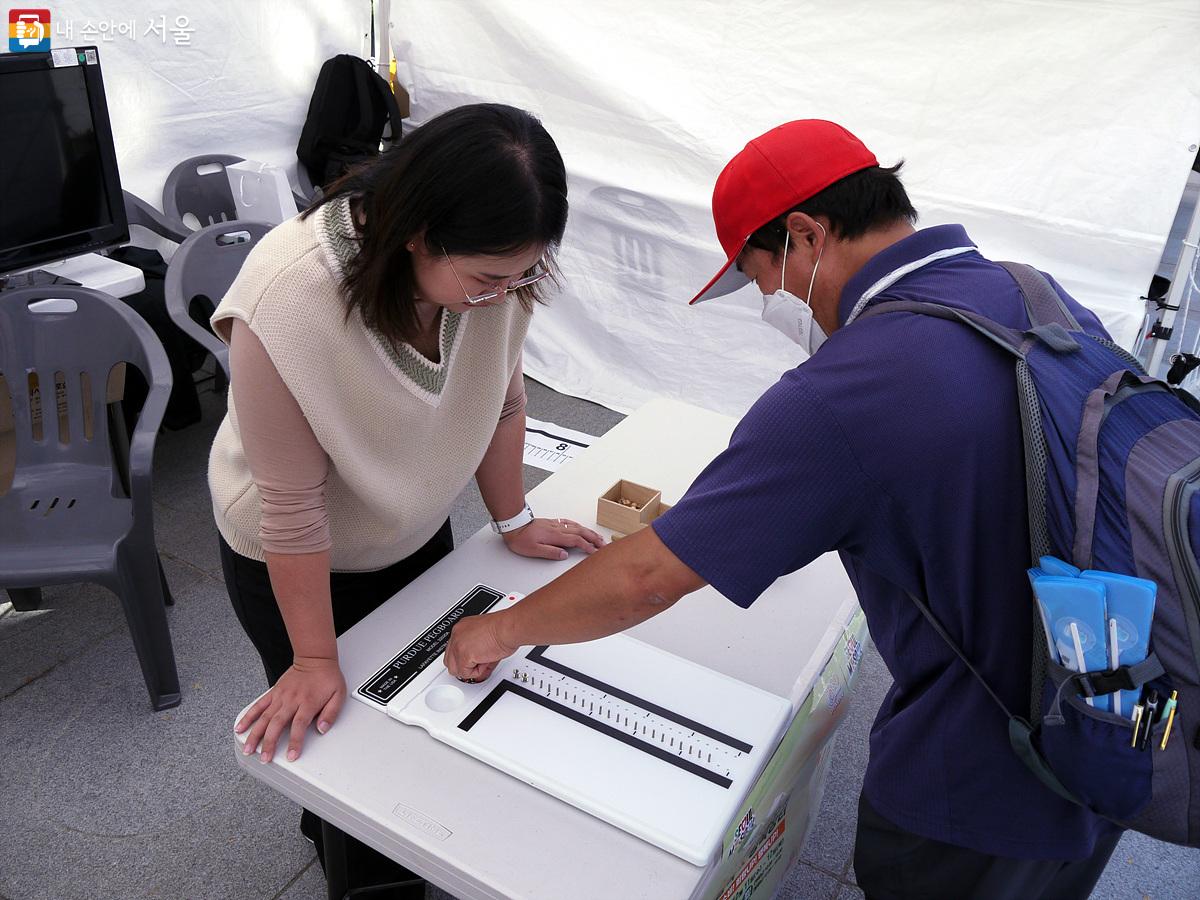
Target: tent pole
{"type": "Point", "coordinates": [383, 38]}
{"type": "Point", "coordinates": [1180, 287]}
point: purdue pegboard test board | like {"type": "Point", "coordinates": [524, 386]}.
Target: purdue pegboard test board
{"type": "Point", "coordinates": [654, 744]}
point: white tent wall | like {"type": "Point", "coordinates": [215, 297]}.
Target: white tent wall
{"type": "Point", "coordinates": [1060, 132]}
{"type": "Point", "coordinates": [237, 80]}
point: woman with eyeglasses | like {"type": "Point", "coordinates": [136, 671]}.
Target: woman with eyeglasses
{"type": "Point", "coordinates": [375, 356]}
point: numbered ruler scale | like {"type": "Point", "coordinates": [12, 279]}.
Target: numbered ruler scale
{"type": "Point", "coordinates": [549, 446]}
{"type": "Point", "coordinates": [647, 741]}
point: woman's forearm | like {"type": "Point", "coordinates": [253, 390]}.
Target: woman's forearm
{"type": "Point", "coordinates": [500, 477]}
{"type": "Point", "coordinates": [301, 585]}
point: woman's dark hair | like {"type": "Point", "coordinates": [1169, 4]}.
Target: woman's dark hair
{"type": "Point", "coordinates": [484, 179]}
{"type": "Point", "coordinates": [854, 205]}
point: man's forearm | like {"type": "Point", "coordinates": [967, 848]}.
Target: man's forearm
{"type": "Point", "coordinates": [613, 589]}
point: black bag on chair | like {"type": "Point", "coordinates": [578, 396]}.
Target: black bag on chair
{"type": "Point", "coordinates": [350, 106]}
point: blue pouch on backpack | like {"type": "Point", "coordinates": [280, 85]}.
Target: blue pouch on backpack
{"type": "Point", "coordinates": [1073, 611]}
{"type": "Point", "coordinates": [1052, 565]}
{"type": "Point", "coordinates": [1131, 605]}
{"type": "Point", "coordinates": [1034, 575]}
{"type": "Point", "coordinates": [1087, 745]}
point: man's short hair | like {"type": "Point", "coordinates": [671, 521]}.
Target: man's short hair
{"type": "Point", "coordinates": [868, 199]}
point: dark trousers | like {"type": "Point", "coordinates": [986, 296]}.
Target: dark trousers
{"type": "Point", "coordinates": [893, 864]}
{"type": "Point", "coordinates": [354, 595]}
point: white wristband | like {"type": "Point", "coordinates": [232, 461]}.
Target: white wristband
{"type": "Point", "coordinates": [520, 520]}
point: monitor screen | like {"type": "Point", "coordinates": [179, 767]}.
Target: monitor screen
{"type": "Point", "coordinates": [60, 194]}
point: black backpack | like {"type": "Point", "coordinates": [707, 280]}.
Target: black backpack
{"type": "Point", "coordinates": [350, 106]}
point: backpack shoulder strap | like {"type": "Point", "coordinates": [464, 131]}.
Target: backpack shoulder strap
{"type": "Point", "coordinates": [953, 645]}
{"type": "Point", "coordinates": [381, 89]}
{"type": "Point", "coordinates": [1006, 338]}
{"type": "Point", "coordinates": [360, 75]}
{"type": "Point", "coordinates": [1020, 732]}
{"type": "Point", "coordinates": [1042, 303]}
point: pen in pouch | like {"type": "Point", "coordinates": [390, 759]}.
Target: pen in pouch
{"type": "Point", "coordinates": [1137, 724]}
{"type": "Point", "coordinates": [1148, 718]}
{"type": "Point", "coordinates": [1169, 713]}
{"type": "Point", "coordinates": [1114, 660]}
{"type": "Point", "coordinates": [1080, 663]}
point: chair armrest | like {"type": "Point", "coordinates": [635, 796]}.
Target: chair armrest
{"type": "Point", "coordinates": [145, 433]}
{"type": "Point", "coordinates": [139, 212]}
{"type": "Point", "coordinates": [308, 193]}
{"type": "Point", "coordinates": [177, 308]}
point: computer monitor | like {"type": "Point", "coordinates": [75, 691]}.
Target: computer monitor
{"type": "Point", "coordinates": [60, 192]}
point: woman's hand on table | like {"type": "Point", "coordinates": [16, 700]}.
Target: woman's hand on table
{"type": "Point", "coordinates": [552, 538]}
{"type": "Point", "coordinates": [313, 688]}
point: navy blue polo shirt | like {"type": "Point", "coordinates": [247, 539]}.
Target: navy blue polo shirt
{"type": "Point", "coordinates": [898, 444]}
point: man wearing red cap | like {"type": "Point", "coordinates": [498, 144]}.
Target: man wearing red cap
{"type": "Point", "coordinates": [897, 444]}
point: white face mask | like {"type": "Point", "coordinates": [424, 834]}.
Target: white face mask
{"type": "Point", "coordinates": [791, 315]}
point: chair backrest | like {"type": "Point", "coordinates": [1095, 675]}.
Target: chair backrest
{"type": "Point", "coordinates": [59, 346]}
{"type": "Point", "coordinates": [199, 186]}
{"type": "Point", "coordinates": [204, 266]}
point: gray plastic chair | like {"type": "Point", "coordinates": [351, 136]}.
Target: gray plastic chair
{"type": "Point", "coordinates": [208, 197]}
{"type": "Point", "coordinates": [308, 194]}
{"type": "Point", "coordinates": [204, 266]}
{"type": "Point", "coordinates": [139, 212]}
{"type": "Point", "coordinates": [73, 512]}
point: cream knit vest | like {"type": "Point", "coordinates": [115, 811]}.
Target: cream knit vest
{"type": "Point", "coordinates": [403, 435]}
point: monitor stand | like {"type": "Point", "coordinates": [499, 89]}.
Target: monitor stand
{"type": "Point", "coordinates": [90, 270]}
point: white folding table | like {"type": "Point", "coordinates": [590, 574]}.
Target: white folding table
{"type": "Point", "coordinates": [479, 833]}
{"type": "Point", "coordinates": [99, 273]}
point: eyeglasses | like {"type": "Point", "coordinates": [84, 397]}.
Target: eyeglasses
{"type": "Point", "coordinates": [499, 292]}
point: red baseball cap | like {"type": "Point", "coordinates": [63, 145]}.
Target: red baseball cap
{"type": "Point", "coordinates": [775, 172]}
